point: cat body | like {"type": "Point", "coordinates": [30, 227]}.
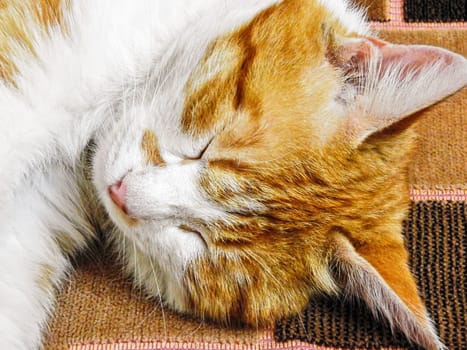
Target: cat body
{"type": "Point", "coordinates": [229, 150]}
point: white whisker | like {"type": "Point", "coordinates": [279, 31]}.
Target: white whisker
{"type": "Point", "coordinates": [159, 292]}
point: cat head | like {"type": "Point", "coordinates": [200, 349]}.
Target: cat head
{"type": "Point", "coordinates": [272, 166]}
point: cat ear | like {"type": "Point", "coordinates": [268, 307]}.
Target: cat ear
{"type": "Point", "coordinates": [387, 82]}
{"type": "Point", "coordinates": [380, 277]}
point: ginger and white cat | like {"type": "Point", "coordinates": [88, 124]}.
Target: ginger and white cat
{"type": "Point", "coordinates": [242, 156]}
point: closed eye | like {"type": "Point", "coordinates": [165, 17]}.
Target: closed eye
{"type": "Point", "coordinates": [187, 228]}
{"type": "Point", "coordinates": [201, 153]}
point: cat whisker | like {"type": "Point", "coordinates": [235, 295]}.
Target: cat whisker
{"type": "Point", "coordinates": [161, 84]}
{"type": "Point", "coordinates": [193, 332]}
{"type": "Point", "coordinates": [135, 269]}
{"type": "Point", "coordinates": [146, 84]}
{"type": "Point", "coordinates": [133, 98]}
{"type": "Point", "coordinates": [154, 310]}
{"type": "Point", "coordinates": [265, 268]}
{"type": "Point", "coordinates": [124, 254]}
{"type": "Point", "coordinates": [159, 292]}
{"type": "Point", "coordinates": [302, 323]}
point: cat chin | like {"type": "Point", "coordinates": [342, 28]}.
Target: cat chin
{"type": "Point", "coordinates": [156, 257]}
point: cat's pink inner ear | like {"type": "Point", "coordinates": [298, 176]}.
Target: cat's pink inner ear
{"type": "Point", "coordinates": [389, 82]}
{"type": "Point", "coordinates": [413, 58]}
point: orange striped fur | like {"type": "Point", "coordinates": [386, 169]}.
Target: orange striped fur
{"type": "Point", "coordinates": [269, 100]}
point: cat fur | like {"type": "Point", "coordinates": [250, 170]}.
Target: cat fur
{"type": "Point", "coordinates": [263, 156]}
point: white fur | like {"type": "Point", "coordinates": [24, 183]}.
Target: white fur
{"type": "Point", "coordinates": [31, 261]}
{"type": "Point", "coordinates": [352, 17]}
{"type": "Point", "coordinates": [71, 91]}
{"type": "Point", "coordinates": [168, 192]}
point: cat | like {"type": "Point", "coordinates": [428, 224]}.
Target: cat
{"type": "Point", "coordinates": [241, 156]}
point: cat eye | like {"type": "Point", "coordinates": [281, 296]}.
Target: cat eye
{"type": "Point", "coordinates": [201, 153]}
{"type": "Point", "coordinates": [190, 229]}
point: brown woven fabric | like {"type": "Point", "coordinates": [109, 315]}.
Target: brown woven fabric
{"type": "Point", "coordinates": [378, 10]}
{"type": "Point", "coordinates": [435, 234]}
{"type": "Point", "coordinates": [442, 148]}
{"type": "Point", "coordinates": [99, 305]}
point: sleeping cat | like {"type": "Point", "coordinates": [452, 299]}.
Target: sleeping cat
{"type": "Point", "coordinates": [241, 156]}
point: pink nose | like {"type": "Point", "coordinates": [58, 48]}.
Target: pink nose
{"type": "Point", "coordinates": [117, 193]}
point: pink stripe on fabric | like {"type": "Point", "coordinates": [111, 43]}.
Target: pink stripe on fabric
{"type": "Point", "coordinates": [396, 21]}
{"type": "Point", "coordinates": [438, 193]}
{"type": "Point", "coordinates": [160, 345]}
{"type": "Point", "coordinates": [265, 341]}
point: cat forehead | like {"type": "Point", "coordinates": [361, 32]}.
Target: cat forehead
{"type": "Point", "coordinates": [213, 20]}
{"type": "Point", "coordinates": [271, 59]}
{"type": "Point", "coordinates": [202, 77]}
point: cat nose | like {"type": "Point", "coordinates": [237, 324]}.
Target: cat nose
{"type": "Point", "coordinates": [117, 193]}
